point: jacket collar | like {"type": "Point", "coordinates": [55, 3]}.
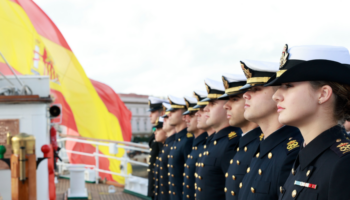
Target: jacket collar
{"type": "Point", "coordinates": [180, 134]}
{"type": "Point", "coordinates": [249, 137]}
{"type": "Point", "coordinates": [200, 138]}
{"type": "Point", "coordinates": [170, 139]}
{"type": "Point", "coordinates": [225, 131]}
{"type": "Point", "coordinates": [318, 145]}
{"type": "Point", "coordinates": [276, 138]}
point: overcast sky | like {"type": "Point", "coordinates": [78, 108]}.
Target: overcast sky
{"type": "Point", "coordinates": [169, 47]}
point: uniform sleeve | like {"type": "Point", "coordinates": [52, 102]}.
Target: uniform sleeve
{"type": "Point", "coordinates": [188, 147]}
{"type": "Point", "coordinates": [339, 187]}
{"type": "Point", "coordinates": [229, 153]}
{"type": "Point", "coordinates": [287, 167]}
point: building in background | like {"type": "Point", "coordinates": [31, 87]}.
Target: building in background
{"type": "Point", "coordinates": [140, 121]}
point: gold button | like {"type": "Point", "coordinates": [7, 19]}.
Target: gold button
{"type": "Point", "coordinates": [184, 174]}
{"type": "Point", "coordinates": [171, 148]}
{"type": "Point", "coordinates": [232, 193]}
{"type": "Point", "coordinates": [290, 138]}
{"type": "Point", "coordinates": [293, 172]}
{"type": "Point", "coordinates": [281, 189]}
{"type": "Point", "coordinates": [245, 149]}
{"type": "Point", "coordinates": [194, 194]}
{"type": "Point", "coordinates": [233, 177]}
{"type": "Point", "coordinates": [338, 140]}
{"type": "Point", "coordinates": [191, 157]}
{"type": "Point", "coordinates": [168, 156]}
{"type": "Point", "coordinates": [270, 155]}
{"type": "Point", "coordinates": [200, 155]}
{"type": "Point", "coordinates": [172, 166]}
{"type": "Point", "coordinates": [195, 175]}
{"type": "Point", "coordinates": [188, 156]}
{"type": "Point", "coordinates": [173, 193]}
{"type": "Point", "coordinates": [200, 178]}
{"type": "Point", "coordinates": [183, 183]}
{"type": "Point", "coordinates": [240, 185]}
{"type": "Point", "coordinates": [161, 184]}
{"type": "Point", "coordinates": [238, 162]}
{"type": "Point", "coordinates": [169, 174]}
{"type": "Point", "coordinates": [172, 156]}
{"type": "Point", "coordinates": [174, 147]}
{"type": "Point", "coordinates": [196, 164]}
{"type": "Point", "coordinates": [202, 164]}
{"type": "Point", "coordinates": [161, 168]}
{"type": "Point", "coordinates": [187, 177]}
{"type": "Point", "coordinates": [226, 175]}
{"type": "Point", "coordinates": [260, 171]}
{"type": "Point", "coordinates": [294, 193]}
{"type": "Point", "coordinates": [188, 186]}
{"type": "Point", "coordinates": [169, 183]}
{"type": "Point", "coordinates": [162, 151]}
{"type": "Point", "coordinates": [185, 165]}
{"type": "Point", "coordinates": [237, 148]}
{"type": "Point", "coordinates": [231, 161]}
{"type": "Point", "coordinates": [188, 196]}
{"type": "Point", "coordinates": [252, 189]}
{"type": "Point", "coordinates": [207, 153]}
{"type": "Point", "coordinates": [188, 166]}
{"type": "Point", "coordinates": [161, 176]}
{"type": "Point", "coordinates": [195, 148]}
{"type": "Point", "coordinates": [173, 184]}
{"type": "Point", "coordinates": [225, 189]}
{"type": "Point", "coordinates": [248, 169]}
{"type": "Point", "coordinates": [205, 146]}
{"type": "Point", "coordinates": [172, 175]}
{"type": "Point", "coordinates": [169, 192]}
{"type": "Point", "coordinates": [179, 139]}
{"type": "Point", "coordinates": [199, 189]}
{"type": "Point", "coordinates": [257, 155]}
{"type": "Point", "coordinates": [215, 142]}
{"type": "Point", "coordinates": [308, 172]}
{"type": "Point", "coordinates": [162, 192]}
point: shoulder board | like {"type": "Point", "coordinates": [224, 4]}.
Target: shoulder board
{"type": "Point", "coordinates": [189, 135]}
{"type": "Point", "coordinates": [341, 147]}
{"type": "Point", "coordinates": [232, 135]}
{"type": "Point", "coordinates": [292, 144]}
{"type": "Point", "coordinates": [261, 136]}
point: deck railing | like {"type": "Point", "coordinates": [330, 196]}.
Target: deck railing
{"type": "Point", "coordinates": [112, 145]}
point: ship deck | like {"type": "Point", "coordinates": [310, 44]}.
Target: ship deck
{"type": "Point", "coordinates": [96, 191]}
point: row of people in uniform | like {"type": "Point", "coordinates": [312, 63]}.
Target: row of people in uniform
{"type": "Point", "coordinates": [273, 133]}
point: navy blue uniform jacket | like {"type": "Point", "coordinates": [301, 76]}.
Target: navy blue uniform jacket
{"type": "Point", "coordinates": [216, 159]}
{"type": "Point", "coordinates": [270, 166]}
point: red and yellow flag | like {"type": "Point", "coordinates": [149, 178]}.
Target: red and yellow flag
{"type": "Point", "coordinates": [33, 45]}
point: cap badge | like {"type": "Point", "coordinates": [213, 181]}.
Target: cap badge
{"type": "Point", "coordinates": [170, 101]}
{"type": "Point", "coordinates": [187, 104]}
{"type": "Point", "coordinates": [197, 97]}
{"type": "Point", "coordinates": [207, 87]}
{"type": "Point", "coordinates": [247, 73]}
{"type": "Point", "coordinates": [225, 83]}
{"type": "Point", "coordinates": [284, 56]}
{"type": "Point", "coordinates": [149, 103]}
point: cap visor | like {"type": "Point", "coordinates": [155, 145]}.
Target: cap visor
{"type": "Point", "coordinates": [186, 113]}
{"type": "Point", "coordinates": [246, 87]}
{"type": "Point", "coordinates": [170, 109]}
{"type": "Point", "coordinates": [198, 106]}
{"type": "Point", "coordinates": [224, 97]}
{"type": "Point", "coordinates": [206, 99]}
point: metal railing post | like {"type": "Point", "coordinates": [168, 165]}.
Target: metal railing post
{"type": "Point", "coordinates": [96, 165]}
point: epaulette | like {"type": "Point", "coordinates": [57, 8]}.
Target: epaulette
{"type": "Point", "coordinates": [189, 135]}
{"type": "Point", "coordinates": [292, 145]}
{"type": "Point", "coordinates": [232, 135]}
{"type": "Point", "coordinates": [341, 147]}
{"type": "Point", "coordinates": [261, 136]}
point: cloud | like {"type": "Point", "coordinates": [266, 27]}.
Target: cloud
{"type": "Point", "coordinates": [164, 47]}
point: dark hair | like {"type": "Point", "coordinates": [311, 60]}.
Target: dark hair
{"type": "Point", "coordinates": [342, 95]}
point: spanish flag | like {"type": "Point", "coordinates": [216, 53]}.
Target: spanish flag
{"type": "Point", "coordinates": [33, 45]}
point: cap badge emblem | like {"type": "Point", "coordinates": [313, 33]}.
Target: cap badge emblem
{"type": "Point", "coordinates": [170, 101]}
{"type": "Point", "coordinates": [284, 56]}
{"type": "Point", "coordinates": [149, 103]}
{"type": "Point", "coordinates": [207, 88]}
{"type": "Point", "coordinates": [197, 97]}
{"type": "Point", "coordinates": [247, 73]}
{"type": "Point", "coordinates": [225, 83]}
{"type": "Point", "coordinates": [187, 104]}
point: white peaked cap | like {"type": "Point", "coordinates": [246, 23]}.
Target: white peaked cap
{"type": "Point", "coordinates": [316, 52]}
{"type": "Point", "coordinates": [216, 85]}
{"type": "Point", "coordinates": [166, 105]}
{"type": "Point", "coordinates": [235, 77]}
{"type": "Point", "coordinates": [191, 99]}
{"type": "Point", "coordinates": [155, 100]}
{"type": "Point", "coordinates": [161, 119]}
{"type": "Point", "coordinates": [177, 100]}
{"type": "Point", "coordinates": [201, 93]}
{"type": "Point", "coordinates": [262, 66]}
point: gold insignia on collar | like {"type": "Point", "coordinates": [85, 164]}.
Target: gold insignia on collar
{"type": "Point", "coordinates": [344, 147]}
{"type": "Point", "coordinates": [284, 56]}
{"type": "Point", "coordinates": [232, 135]}
{"type": "Point", "coordinates": [189, 135]}
{"type": "Point", "coordinates": [225, 83]}
{"type": "Point", "coordinates": [261, 136]}
{"type": "Point", "coordinates": [207, 87]}
{"type": "Point", "coordinates": [292, 145]}
{"type": "Point", "coordinates": [247, 73]}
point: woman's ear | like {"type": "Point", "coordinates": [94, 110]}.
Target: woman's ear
{"type": "Point", "coordinates": [325, 93]}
